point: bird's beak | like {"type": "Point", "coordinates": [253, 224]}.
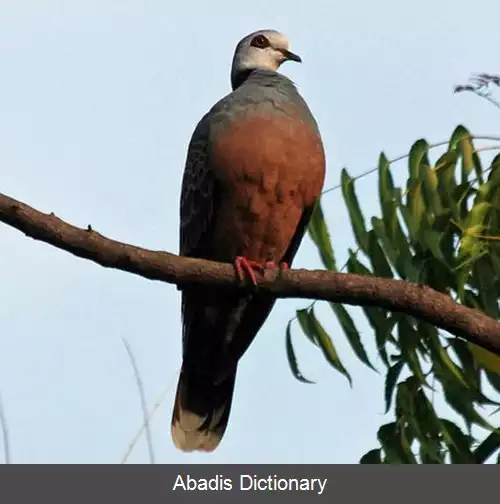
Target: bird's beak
{"type": "Point", "coordinates": [290, 56]}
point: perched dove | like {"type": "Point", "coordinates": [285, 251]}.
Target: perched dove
{"type": "Point", "coordinates": [254, 171]}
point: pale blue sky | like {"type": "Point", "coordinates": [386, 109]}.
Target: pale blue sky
{"type": "Point", "coordinates": [98, 100]}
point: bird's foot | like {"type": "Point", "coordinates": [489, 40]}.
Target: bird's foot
{"type": "Point", "coordinates": [243, 266]}
{"type": "Point", "coordinates": [272, 265]}
{"type": "Point", "coordinates": [283, 266]}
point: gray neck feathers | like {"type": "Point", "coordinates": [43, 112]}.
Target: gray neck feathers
{"type": "Point", "coordinates": [261, 89]}
{"type": "Point", "coordinates": [261, 77]}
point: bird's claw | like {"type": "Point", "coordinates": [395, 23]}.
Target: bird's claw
{"type": "Point", "coordinates": [244, 265]}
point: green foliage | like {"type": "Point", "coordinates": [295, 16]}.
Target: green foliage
{"type": "Point", "coordinates": [441, 229]}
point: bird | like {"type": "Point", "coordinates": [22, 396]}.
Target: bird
{"type": "Point", "coordinates": [254, 172]}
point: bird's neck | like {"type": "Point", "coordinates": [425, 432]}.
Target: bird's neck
{"type": "Point", "coordinates": [238, 78]}
{"type": "Point", "coordinates": [259, 76]}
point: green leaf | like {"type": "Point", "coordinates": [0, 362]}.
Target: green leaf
{"type": "Point", "coordinates": [377, 317]}
{"type": "Point", "coordinates": [426, 423]}
{"type": "Point", "coordinates": [390, 251]}
{"type": "Point", "coordinates": [471, 249]}
{"type": "Point", "coordinates": [405, 399]}
{"type": "Point", "coordinates": [471, 246]}
{"type": "Point", "coordinates": [292, 359]}
{"type": "Point", "coordinates": [385, 188]}
{"type": "Point", "coordinates": [326, 345]}
{"type": "Point", "coordinates": [427, 458]}
{"type": "Point", "coordinates": [416, 206]}
{"type": "Point", "coordinates": [397, 251]}
{"type": "Point", "coordinates": [488, 294]}
{"type": "Point", "coordinates": [395, 444]}
{"type": "Point", "coordinates": [494, 379]}
{"type": "Point", "coordinates": [475, 218]}
{"type": "Point", "coordinates": [487, 448]}
{"type": "Point", "coordinates": [445, 171]}
{"type": "Point", "coordinates": [458, 134]}
{"type": "Point", "coordinates": [383, 330]}
{"type": "Point", "coordinates": [408, 339]}
{"type": "Point", "coordinates": [466, 150]}
{"type": "Point", "coordinates": [432, 240]}
{"type": "Point", "coordinates": [461, 195]}
{"type": "Point", "coordinates": [463, 406]}
{"type": "Point", "coordinates": [303, 318]}
{"type": "Point", "coordinates": [318, 233]}
{"type": "Point", "coordinates": [484, 358]}
{"type": "Point", "coordinates": [417, 155]}
{"type": "Point", "coordinates": [382, 325]}
{"type": "Point", "coordinates": [469, 371]}
{"type": "Point", "coordinates": [447, 160]}
{"type": "Point", "coordinates": [351, 333]}
{"type": "Point", "coordinates": [356, 266]}
{"type": "Point", "coordinates": [440, 357]}
{"type": "Point", "coordinates": [456, 387]}
{"type": "Point", "coordinates": [355, 215]}
{"type": "Point", "coordinates": [488, 189]}
{"type": "Point", "coordinates": [377, 257]}
{"type": "Point", "coordinates": [371, 457]}
{"type": "Point", "coordinates": [477, 166]}
{"type": "Point", "coordinates": [386, 184]}
{"type": "Point", "coordinates": [390, 382]}
{"type": "Point", "coordinates": [430, 186]}
{"type": "Point", "coordinates": [458, 443]}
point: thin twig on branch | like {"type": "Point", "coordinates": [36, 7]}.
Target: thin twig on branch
{"type": "Point", "coordinates": [397, 295]}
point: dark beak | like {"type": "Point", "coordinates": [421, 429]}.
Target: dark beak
{"type": "Point", "coordinates": [291, 56]}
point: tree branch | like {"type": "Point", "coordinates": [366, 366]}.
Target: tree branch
{"type": "Point", "coordinates": [397, 295]}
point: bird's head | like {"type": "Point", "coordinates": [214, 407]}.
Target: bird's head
{"type": "Point", "coordinates": [264, 49]}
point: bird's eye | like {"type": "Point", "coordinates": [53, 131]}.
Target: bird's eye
{"type": "Point", "coordinates": [260, 41]}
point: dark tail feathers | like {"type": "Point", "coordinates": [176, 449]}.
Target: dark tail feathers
{"type": "Point", "coordinates": [201, 412]}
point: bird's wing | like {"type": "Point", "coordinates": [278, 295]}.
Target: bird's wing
{"type": "Point", "coordinates": [198, 198]}
{"type": "Point", "coordinates": [198, 210]}
{"type": "Point", "coordinates": [202, 405]}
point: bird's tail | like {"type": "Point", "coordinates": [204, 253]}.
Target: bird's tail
{"type": "Point", "coordinates": [201, 411]}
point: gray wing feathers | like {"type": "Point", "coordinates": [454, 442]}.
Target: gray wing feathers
{"type": "Point", "coordinates": [196, 206]}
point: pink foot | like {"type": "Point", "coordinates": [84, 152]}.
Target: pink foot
{"type": "Point", "coordinates": [272, 265]}
{"type": "Point", "coordinates": [243, 266]}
